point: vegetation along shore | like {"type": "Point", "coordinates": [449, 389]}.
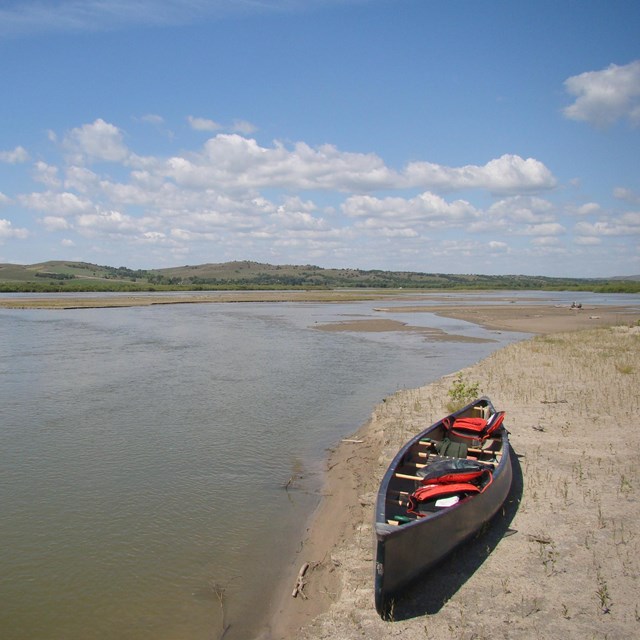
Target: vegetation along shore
{"type": "Point", "coordinates": [57, 276]}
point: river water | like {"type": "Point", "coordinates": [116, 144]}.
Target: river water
{"type": "Point", "coordinates": [144, 452]}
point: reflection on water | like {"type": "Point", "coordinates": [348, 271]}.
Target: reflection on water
{"type": "Point", "coordinates": [144, 451]}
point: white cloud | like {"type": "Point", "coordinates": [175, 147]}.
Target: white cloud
{"type": "Point", "coordinates": [628, 195]}
{"type": "Point", "coordinates": [628, 224]}
{"type": "Point", "coordinates": [46, 174]}
{"type": "Point", "coordinates": [231, 161]}
{"type": "Point", "coordinates": [587, 209]}
{"type": "Point", "coordinates": [425, 210]}
{"type": "Point", "coordinates": [235, 195]}
{"type": "Point", "coordinates": [4, 199]}
{"type": "Point", "coordinates": [603, 97]}
{"type": "Point", "coordinates": [631, 218]}
{"type": "Point", "coordinates": [152, 118]}
{"type": "Point", "coordinates": [524, 209]}
{"type": "Point", "coordinates": [7, 230]}
{"type": "Point", "coordinates": [55, 223]}
{"type": "Point", "coordinates": [81, 179]}
{"type": "Point", "coordinates": [545, 241]}
{"type": "Point", "coordinates": [65, 204]}
{"type": "Point", "coordinates": [98, 141]}
{"type": "Point", "coordinates": [244, 127]}
{"type": "Point", "coordinates": [587, 241]}
{"type": "Point", "coordinates": [203, 124]}
{"type": "Point", "coordinates": [509, 173]}
{"type": "Point", "coordinates": [108, 222]}
{"type": "Point", "coordinates": [15, 156]}
{"type": "Point", "coordinates": [545, 229]}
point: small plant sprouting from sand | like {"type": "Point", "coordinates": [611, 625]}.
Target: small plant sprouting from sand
{"type": "Point", "coordinates": [625, 368]}
{"type": "Point", "coordinates": [461, 393]}
{"type": "Point", "coordinates": [549, 555]}
{"type": "Point", "coordinates": [604, 600]}
{"type": "Point", "coordinates": [625, 484]}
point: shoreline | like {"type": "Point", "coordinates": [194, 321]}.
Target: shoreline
{"type": "Point", "coordinates": [338, 545]}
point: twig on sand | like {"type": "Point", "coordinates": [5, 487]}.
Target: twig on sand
{"type": "Point", "coordinates": [299, 586]}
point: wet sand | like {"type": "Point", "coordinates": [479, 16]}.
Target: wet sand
{"type": "Point", "coordinates": [561, 560]}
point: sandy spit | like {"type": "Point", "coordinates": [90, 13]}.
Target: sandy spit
{"type": "Point", "coordinates": [563, 557]}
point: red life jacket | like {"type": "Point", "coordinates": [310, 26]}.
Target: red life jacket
{"type": "Point", "coordinates": [450, 477]}
{"type": "Point", "coordinates": [475, 428]}
{"type": "Point", "coordinates": [435, 491]}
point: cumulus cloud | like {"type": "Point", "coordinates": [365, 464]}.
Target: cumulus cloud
{"type": "Point", "coordinates": [46, 174]}
{"type": "Point", "coordinates": [14, 156]}
{"type": "Point", "coordinates": [524, 209]}
{"type": "Point", "coordinates": [426, 209]}
{"type": "Point", "coordinates": [233, 161]}
{"type": "Point", "coordinates": [244, 195]}
{"type": "Point", "coordinates": [7, 230]}
{"type": "Point", "coordinates": [628, 224]}
{"type": "Point", "coordinates": [95, 142]}
{"type": "Point", "coordinates": [628, 195]}
{"type": "Point", "coordinates": [64, 204]}
{"type": "Point", "coordinates": [604, 97]}
{"type": "Point", "coordinates": [587, 209]}
{"type": "Point", "coordinates": [114, 223]}
{"type": "Point", "coordinates": [509, 173]}
{"type": "Point", "coordinates": [545, 229]}
{"type": "Point", "coordinates": [55, 223]}
{"type": "Point", "coordinates": [587, 241]}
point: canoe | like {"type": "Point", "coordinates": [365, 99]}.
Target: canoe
{"type": "Point", "coordinates": [439, 489]}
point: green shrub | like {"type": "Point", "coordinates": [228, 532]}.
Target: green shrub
{"type": "Point", "coordinates": [461, 392]}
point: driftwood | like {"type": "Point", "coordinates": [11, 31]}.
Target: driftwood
{"type": "Point", "coordinates": [299, 586]}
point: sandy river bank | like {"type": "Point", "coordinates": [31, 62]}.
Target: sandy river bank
{"type": "Point", "coordinates": [562, 559]}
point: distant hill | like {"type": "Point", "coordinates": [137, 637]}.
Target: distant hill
{"type": "Point", "coordinates": [633, 278]}
{"type": "Point", "coordinates": [83, 276]}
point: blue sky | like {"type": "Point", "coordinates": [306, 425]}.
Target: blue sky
{"type": "Point", "coordinates": [447, 136]}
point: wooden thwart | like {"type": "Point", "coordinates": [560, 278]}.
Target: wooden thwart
{"type": "Point", "coordinates": [473, 450]}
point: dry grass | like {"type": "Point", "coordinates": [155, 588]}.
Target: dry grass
{"type": "Point", "coordinates": [571, 567]}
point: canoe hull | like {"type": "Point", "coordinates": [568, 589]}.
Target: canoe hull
{"type": "Point", "coordinates": [405, 552]}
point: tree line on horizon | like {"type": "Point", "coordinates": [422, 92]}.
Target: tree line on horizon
{"type": "Point", "coordinates": [85, 277]}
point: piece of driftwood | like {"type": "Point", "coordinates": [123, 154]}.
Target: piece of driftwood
{"type": "Point", "coordinates": [299, 586]}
